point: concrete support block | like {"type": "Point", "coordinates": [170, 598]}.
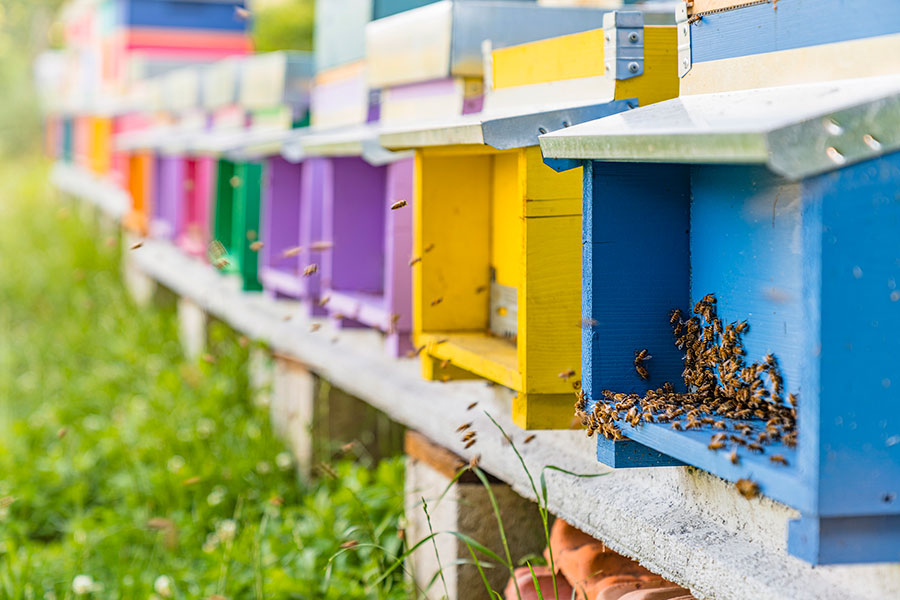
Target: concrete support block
{"type": "Point", "coordinates": [141, 287]}
{"type": "Point", "coordinates": [465, 508]}
{"type": "Point", "coordinates": [292, 408]}
{"type": "Point", "coordinates": [192, 327]}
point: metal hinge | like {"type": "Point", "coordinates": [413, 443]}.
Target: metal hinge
{"type": "Point", "coordinates": [623, 44]}
{"type": "Point", "coordinates": [683, 25]}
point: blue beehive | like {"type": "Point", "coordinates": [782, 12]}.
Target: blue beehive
{"type": "Point", "coordinates": [200, 14]}
{"type": "Point", "coordinates": [783, 202]}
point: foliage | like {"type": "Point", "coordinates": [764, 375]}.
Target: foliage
{"type": "Point", "coordinates": [123, 461]}
{"type": "Point", "coordinates": [286, 25]}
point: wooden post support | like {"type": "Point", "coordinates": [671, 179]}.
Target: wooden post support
{"type": "Point", "coordinates": [141, 286]}
{"type": "Point", "coordinates": [464, 508]}
{"type": "Point", "coordinates": [292, 408]}
{"type": "Point", "coordinates": [192, 327]}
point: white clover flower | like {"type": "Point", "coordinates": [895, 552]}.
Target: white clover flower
{"type": "Point", "coordinates": [226, 530]}
{"type": "Point", "coordinates": [216, 496]}
{"type": "Point", "coordinates": [284, 460]}
{"type": "Point", "coordinates": [205, 428]}
{"type": "Point", "coordinates": [263, 467]}
{"type": "Point", "coordinates": [83, 584]}
{"type": "Point", "coordinates": [163, 586]}
{"type": "Point", "coordinates": [211, 543]}
{"type": "Point", "coordinates": [175, 464]}
{"type": "Point", "coordinates": [49, 596]}
{"type": "Point", "coordinates": [128, 581]}
{"type": "Point", "coordinates": [253, 431]}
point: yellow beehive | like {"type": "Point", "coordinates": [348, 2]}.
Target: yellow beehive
{"type": "Point", "coordinates": [100, 144]}
{"type": "Point", "coordinates": [497, 292]}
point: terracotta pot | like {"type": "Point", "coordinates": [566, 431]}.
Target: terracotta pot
{"type": "Point", "coordinates": [565, 537]}
{"type": "Point", "coordinates": [663, 593]}
{"type": "Point", "coordinates": [584, 567]}
{"type": "Point", "coordinates": [525, 583]}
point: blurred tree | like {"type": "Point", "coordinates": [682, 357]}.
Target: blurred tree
{"type": "Point", "coordinates": [286, 25]}
{"type": "Point", "coordinates": [26, 29]}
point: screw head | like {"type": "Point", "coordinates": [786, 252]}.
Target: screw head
{"type": "Point", "coordinates": [633, 37]}
{"type": "Point", "coordinates": [633, 67]}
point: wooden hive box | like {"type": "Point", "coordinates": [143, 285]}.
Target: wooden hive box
{"type": "Point", "coordinates": [774, 189]}
{"type": "Point", "coordinates": [66, 137]}
{"type": "Point", "coordinates": [498, 289]}
{"type": "Point", "coordinates": [275, 92]}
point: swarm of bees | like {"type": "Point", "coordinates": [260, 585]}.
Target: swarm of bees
{"type": "Point", "coordinates": [745, 402]}
{"type": "Point", "coordinates": [469, 437]}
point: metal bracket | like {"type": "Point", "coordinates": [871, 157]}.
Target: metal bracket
{"type": "Point", "coordinates": [623, 44]}
{"type": "Point", "coordinates": [683, 25]}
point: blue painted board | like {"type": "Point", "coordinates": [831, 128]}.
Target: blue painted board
{"type": "Point", "coordinates": [845, 540]}
{"type": "Point", "coordinates": [854, 369]}
{"type": "Point", "coordinates": [386, 8]}
{"type": "Point", "coordinates": [628, 454]}
{"type": "Point", "coordinates": [636, 269]}
{"type": "Point", "coordinates": [181, 14]}
{"type": "Point", "coordinates": [795, 24]}
{"type": "Point", "coordinates": [67, 139]}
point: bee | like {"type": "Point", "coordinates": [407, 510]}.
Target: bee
{"type": "Point", "coordinates": [215, 252]}
{"type": "Point", "coordinates": [234, 181]}
{"type": "Point", "coordinates": [675, 316]}
{"type": "Point", "coordinates": [288, 317]}
{"type": "Point", "coordinates": [291, 252]}
{"type": "Point", "coordinates": [566, 374]}
{"type": "Point", "coordinates": [137, 245]}
{"type": "Point", "coordinates": [444, 341]}
{"type": "Point", "coordinates": [576, 384]}
{"type": "Point", "coordinates": [437, 301]}
{"type": "Point", "coordinates": [676, 425]}
{"type": "Point", "coordinates": [481, 289]}
{"type": "Point", "coordinates": [471, 406]}
{"type": "Point", "coordinates": [241, 13]}
{"type": "Point", "coordinates": [588, 323]}
{"type": "Point", "coordinates": [324, 300]}
{"type": "Point", "coordinates": [742, 327]}
{"type": "Point", "coordinates": [755, 447]}
{"type": "Point", "coordinates": [720, 425]}
{"type": "Point", "coordinates": [733, 457]}
{"type": "Point", "coordinates": [792, 399]}
{"type": "Point", "coordinates": [529, 439]}
{"type": "Point", "coordinates": [310, 270]}
{"type": "Point", "coordinates": [251, 235]}
{"type": "Point", "coordinates": [473, 462]}
{"type": "Point", "coordinates": [315, 327]}
{"type": "Point", "coordinates": [748, 489]}
{"type": "Point", "coordinates": [445, 363]}
{"type": "Point", "coordinates": [445, 378]}
{"type": "Point", "coordinates": [415, 260]}
{"type": "Point", "coordinates": [778, 459]}
{"type": "Point", "coordinates": [349, 544]}
{"type": "Point", "coordinates": [321, 246]}
{"type": "Point", "coordinates": [715, 446]}
{"type": "Point", "coordinates": [256, 246]}
{"type": "Point", "coordinates": [469, 444]}
{"type": "Point", "coordinates": [429, 248]}
{"type": "Point", "coordinates": [463, 427]}
{"type": "Point", "coordinates": [398, 204]}
{"type": "Point", "coordinates": [642, 371]}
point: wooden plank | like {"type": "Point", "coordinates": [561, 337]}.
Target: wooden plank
{"type": "Point", "coordinates": [549, 60]}
{"type": "Point", "coordinates": [826, 62]}
{"type": "Point", "coordinates": [696, 7]}
{"type": "Point", "coordinates": [490, 357]}
{"type": "Point", "coordinates": [445, 462]}
{"type": "Point", "coordinates": [550, 305]}
{"type": "Point", "coordinates": [506, 218]}
{"type": "Point", "coordinates": [543, 183]}
{"type": "Point", "coordinates": [452, 212]}
{"type": "Point", "coordinates": [660, 78]}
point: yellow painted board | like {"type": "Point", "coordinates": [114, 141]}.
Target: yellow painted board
{"type": "Point", "coordinates": [565, 57]}
{"type": "Point", "coordinates": [543, 183]}
{"type": "Point", "coordinates": [506, 218]}
{"type": "Point", "coordinates": [660, 78]}
{"type": "Point", "coordinates": [550, 305]}
{"type": "Point", "coordinates": [482, 354]}
{"type": "Point", "coordinates": [451, 209]}
{"type": "Point", "coordinates": [100, 144]}
{"type": "Point", "coordinates": [544, 411]}
{"type": "Point", "coordinates": [435, 369]}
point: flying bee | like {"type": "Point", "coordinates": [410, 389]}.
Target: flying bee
{"type": "Point", "coordinates": [291, 252]}
{"type": "Point", "coordinates": [566, 374]}
{"type": "Point", "coordinates": [445, 378]}
{"type": "Point", "coordinates": [530, 438]}
{"type": "Point", "coordinates": [733, 457]}
{"type": "Point", "coordinates": [415, 260]}
{"type": "Point", "coordinates": [436, 301]}
{"type": "Point", "coordinates": [748, 489]}
{"type": "Point", "coordinates": [468, 436]}
{"type": "Point", "coordinates": [642, 371]}
{"type": "Point", "coordinates": [445, 363]}
{"type": "Point", "coordinates": [241, 13]}
{"type": "Point", "coordinates": [251, 235]}
{"type": "Point", "coordinates": [778, 459]}
{"type": "Point", "coordinates": [321, 246]}
{"type": "Point", "coordinates": [576, 384]}
{"type": "Point", "coordinates": [481, 289]}
{"type": "Point", "coordinates": [588, 323]}
{"type": "Point", "coordinates": [215, 251]}
{"type": "Point", "coordinates": [256, 246]}
{"type": "Point", "coordinates": [324, 300]}
{"type": "Point", "coordinates": [310, 270]}
{"type": "Point", "coordinates": [429, 248]}
{"type": "Point", "coordinates": [137, 245]}
{"type": "Point", "coordinates": [398, 204]}
{"type": "Point", "coordinates": [315, 327]}
{"type": "Point", "coordinates": [469, 444]}
{"type": "Point", "coordinates": [473, 462]}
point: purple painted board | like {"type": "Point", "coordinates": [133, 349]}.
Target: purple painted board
{"type": "Point", "coordinates": [292, 217]}
{"type": "Point", "coordinates": [398, 251]}
{"type": "Point", "coordinates": [170, 191]}
{"type": "Point", "coordinates": [353, 221]}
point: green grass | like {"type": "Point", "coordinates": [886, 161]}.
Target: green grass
{"type": "Point", "coordinates": [123, 461]}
